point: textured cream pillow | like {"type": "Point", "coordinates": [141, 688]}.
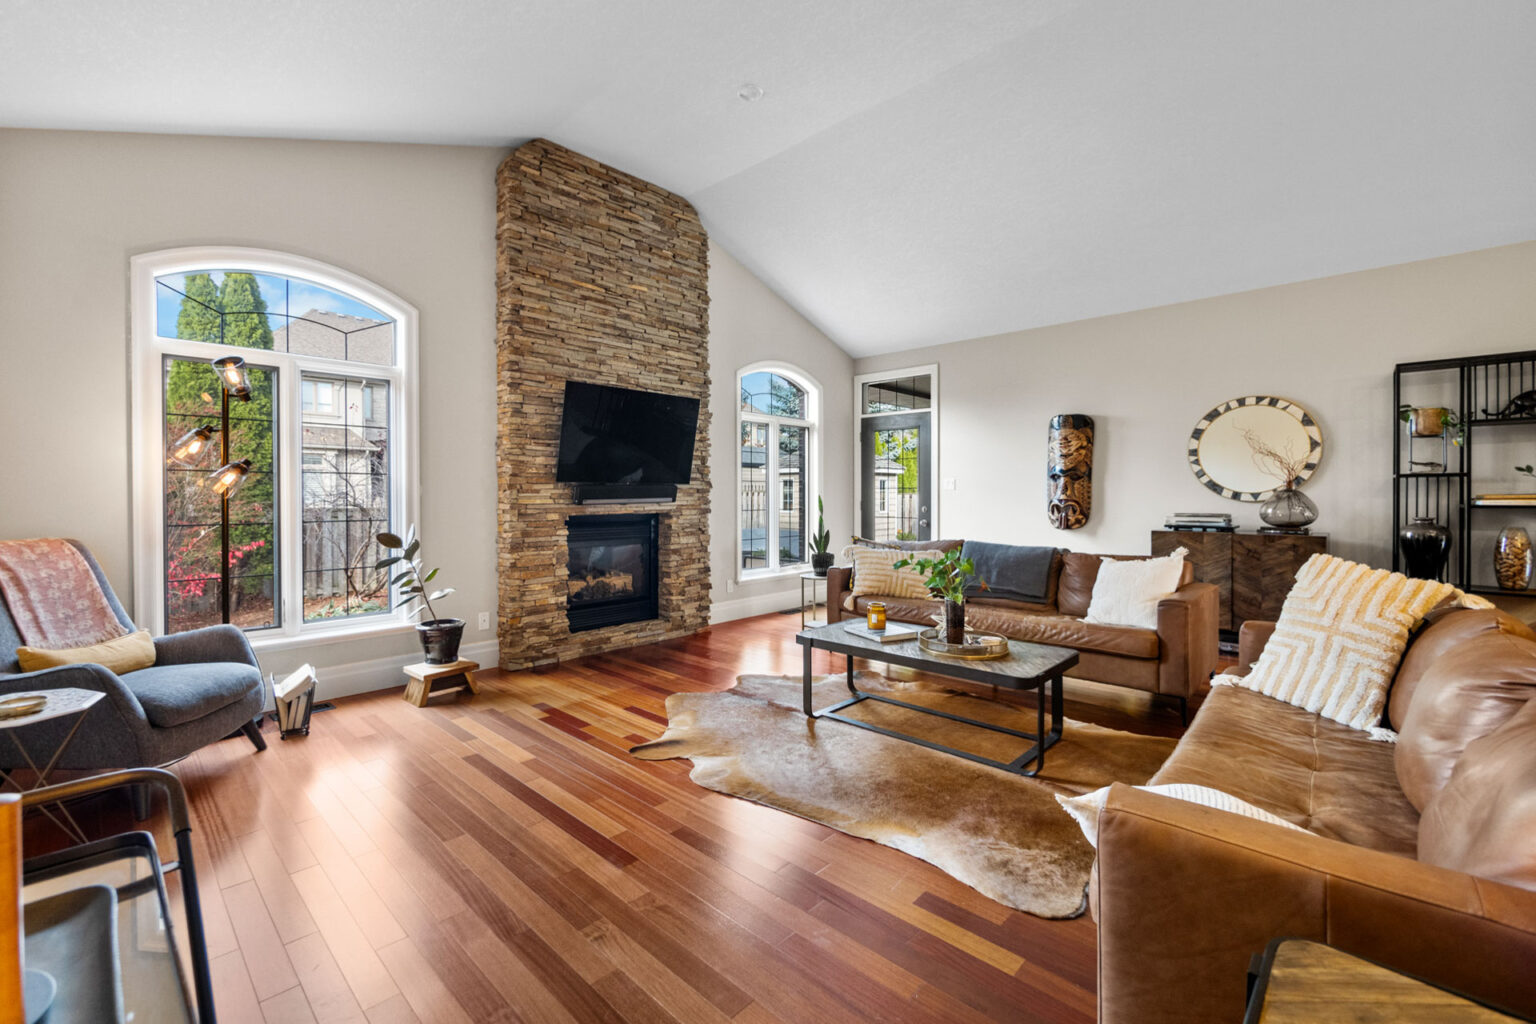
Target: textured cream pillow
{"type": "Point", "coordinates": [122, 654]}
{"type": "Point", "coordinates": [1085, 809]}
{"type": "Point", "coordinates": [1341, 633]}
{"type": "Point", "coordinates": [872, 573]}
{"type": "Point", "coordinates": [1126, 591]}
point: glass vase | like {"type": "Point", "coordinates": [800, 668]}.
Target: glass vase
{"type": "Point", "coordinates": [1512, 559]}
{"type": "Point", "coordinates": [1289, 509]}
{"type": "Point", "coordinates": [954, 621]}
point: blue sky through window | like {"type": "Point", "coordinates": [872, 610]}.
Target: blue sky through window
{"type": "Point", "coordinates": [285, 296]}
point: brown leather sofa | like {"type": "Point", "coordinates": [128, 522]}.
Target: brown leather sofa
{"type": "Point", "coordinates": [1173, 661]}
{"type": "Point", "coordinates": [1423, 856]}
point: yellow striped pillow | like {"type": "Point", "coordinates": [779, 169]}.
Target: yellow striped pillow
{"type": "Point", "coordinates": [873, 573]}
{"type": "Point", "coordinates": [1341, 633]}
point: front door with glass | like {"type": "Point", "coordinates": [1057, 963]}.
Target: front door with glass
{"type": "Point", "coordinates": [896, 459]}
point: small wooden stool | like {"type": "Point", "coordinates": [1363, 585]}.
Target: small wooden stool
{"type": "Point", "coordinates": [422, 677]}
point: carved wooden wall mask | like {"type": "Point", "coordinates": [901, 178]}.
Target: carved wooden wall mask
{"type": "Point", "coordinates": [1069, 471]}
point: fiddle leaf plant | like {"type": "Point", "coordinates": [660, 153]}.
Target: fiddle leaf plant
{"type": "Point", "coordinates": [822, 538]}
{"type": "Point", "coordinates": [411, 579]}
{"type": "Point", "coordinates": [947, 576]}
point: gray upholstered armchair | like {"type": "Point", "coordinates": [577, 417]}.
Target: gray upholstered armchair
{"type": "Point", "coordinates": [205, 684]}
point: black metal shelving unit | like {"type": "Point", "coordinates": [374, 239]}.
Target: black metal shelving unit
{"type": "Point", "coordinates": [1490, 392]}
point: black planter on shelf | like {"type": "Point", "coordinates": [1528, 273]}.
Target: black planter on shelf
{"type": "Point", "coordinates": [440, 639]}
{"type": "Point", "coordinates": [1426, 545]}
{"type": "Point", "coordinates": [821, 561]}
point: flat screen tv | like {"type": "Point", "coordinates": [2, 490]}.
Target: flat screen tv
{"type": "Point", "coordinates": [618, 436]}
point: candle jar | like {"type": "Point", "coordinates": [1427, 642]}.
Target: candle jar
{"type": "Point", "coordinates": [876, 615]}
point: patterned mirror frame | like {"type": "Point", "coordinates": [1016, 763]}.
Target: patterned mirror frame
{"type": "Point", "coordinates": [1314, 438]}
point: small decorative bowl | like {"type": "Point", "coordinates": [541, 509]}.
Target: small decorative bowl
{"type": "Point", "coordinates": [20, 707]}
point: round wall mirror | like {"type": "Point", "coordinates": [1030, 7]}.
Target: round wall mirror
{"type": "Point", "coordinates": [1222, 446]}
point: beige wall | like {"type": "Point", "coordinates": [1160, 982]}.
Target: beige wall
{"type": "Point", "coordinates": [418, 220]}
{"type": "Point", "coordinates": [748, 324]}
{"type": "Point", "coordinates": [1147, 377]}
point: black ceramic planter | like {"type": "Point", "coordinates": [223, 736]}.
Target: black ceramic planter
{"type": "Point", "coordinates": [821, 562]}
{"type": "Point", "coordinates": [440, 639]}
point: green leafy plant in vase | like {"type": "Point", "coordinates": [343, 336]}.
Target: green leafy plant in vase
{"type": "Point", "coordinates": [821, 558]}
{"type": "Point", "coordinates": [1433, 421]}
{"type": "Point", "coordinates": [439, 637]}
{"type": "Point", "coordinates": [946, 578]}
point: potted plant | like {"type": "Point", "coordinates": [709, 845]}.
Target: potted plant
{"type": "Point", "coordinates": [1432, 421]}
{"type": "Point", "coordinates": [821, 558]}
{"type": "Point", "coordinates": [947, 577]}
{"type": "Point", "coordinates": [439, 637]}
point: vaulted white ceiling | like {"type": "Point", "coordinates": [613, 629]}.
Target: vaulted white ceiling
{"type": "Point", "coordinates": [917, 171]}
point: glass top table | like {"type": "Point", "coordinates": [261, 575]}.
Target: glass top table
{"type": "Point", "coordinates": [1036, 667]}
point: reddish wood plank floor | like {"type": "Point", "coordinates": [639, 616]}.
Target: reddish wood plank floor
{"type": "Point", "coordinates": [501, 858]}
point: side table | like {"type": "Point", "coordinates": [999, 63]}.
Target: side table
{"type": "Point", "coordinates": [1303, 982]}
{"type": "Point", "coordinates": [422, 677]}
{"type": "Point", "coordinates": [61, 702]}
{"type": "Point", "coordinates": [812, 579]}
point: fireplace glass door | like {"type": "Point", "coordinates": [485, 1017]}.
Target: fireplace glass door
{"type": "Point", "coordinates": [610, 570]}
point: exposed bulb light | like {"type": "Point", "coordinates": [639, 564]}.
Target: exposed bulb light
{"type": "Point", "coordinates": [232, 376]}
{"type": "Point", "coordinates": [190, 447]}
{"type": "Point", "coordinates": [228, 479]}
{"type": "Point", "coordinates": [750, 92]}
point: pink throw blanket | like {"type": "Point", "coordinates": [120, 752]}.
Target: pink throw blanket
{"type": "Point", "coordinates": [53, 596]}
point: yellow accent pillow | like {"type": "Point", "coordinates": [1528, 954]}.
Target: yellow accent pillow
{"type": "Point", "coordinates": [1341, 633]}
{"type": "Point", "coordinates": [122, 654]}
{"type": "Point", "coordinates": [873, 573]}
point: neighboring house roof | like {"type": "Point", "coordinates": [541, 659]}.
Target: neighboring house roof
{"type": "Point", "coordinates": [338, 437]}
{"type": "Point", "coordinates": [337, 336]}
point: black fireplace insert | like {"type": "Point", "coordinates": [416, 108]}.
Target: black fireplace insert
{"type": "Point", "coordinates": [611, 570]}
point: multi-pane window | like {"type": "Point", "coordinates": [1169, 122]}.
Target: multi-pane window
{"type": "Point", "coordinates": [777, 434]}
{"type": "Point", "coordinates": [312, 446]}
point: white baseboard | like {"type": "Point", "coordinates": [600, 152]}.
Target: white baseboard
{"type": "Point", "coordinates": [746, 607]}
{"type": "Point", "coordinates": [387, 673]}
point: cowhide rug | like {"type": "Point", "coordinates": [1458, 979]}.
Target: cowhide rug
{"type": "Point", "coordinates": [1000, 833]}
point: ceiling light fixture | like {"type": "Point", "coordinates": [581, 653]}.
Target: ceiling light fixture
{"type": "Point", "coordinates": [751, 93]}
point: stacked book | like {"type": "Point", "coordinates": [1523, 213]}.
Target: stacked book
{"type": "Point", "coordinates": [294, 697]}
{"type": "Point", "coordinates": [1200, 521]}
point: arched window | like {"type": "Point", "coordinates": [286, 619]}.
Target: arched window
{"type": "Point", "coordinates": [777, 472]}
{"type": "Point", "coordinates": [273, 436]}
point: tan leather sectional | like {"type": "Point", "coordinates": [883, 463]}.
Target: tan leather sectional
{"type": "Point", "coordinates": [1424, 852]}
{"type": "Point", "coordinates": [1174, 661]}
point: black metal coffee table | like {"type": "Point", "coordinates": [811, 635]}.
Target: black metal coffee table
{"type": "Point", "coordinates": [1028, 667]}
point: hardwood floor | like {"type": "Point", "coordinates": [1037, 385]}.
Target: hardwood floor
{"type": "Point", "coordinates": [500, 857]}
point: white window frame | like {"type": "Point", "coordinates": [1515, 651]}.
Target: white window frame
{"type": "Point", "coordinates": [859, 416]}
{"type": "Point", "coordinates": [148, 418]}
{"type": "Point", "coordinates": [811, 468]}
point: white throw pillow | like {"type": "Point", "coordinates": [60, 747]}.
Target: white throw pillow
{"type": "Point", "coordinates": [1085, 809]}
{"type": "Point", "coordinates": [873, 573]}
{"type": "Point", "coordinates": [1127, 590]}
{"type": "Point", "coordinates": [1339, 639]}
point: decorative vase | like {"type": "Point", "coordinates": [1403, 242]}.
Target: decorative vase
{"type": "Point", "coordinates": [954, 621]}
{"type": "Point", "coordinates": [440, 640]}
{"type": "Point", "coordinates": [1289, 509]}
{"type": "Point", "coordinates": [1512, 559]}
{"type": "Point", "coordinates": [821, 561]}
{"type": "Point", "coordinates": [1426, 545]}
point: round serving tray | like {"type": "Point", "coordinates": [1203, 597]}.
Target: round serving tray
{"type": "Point", "coordinates": [977, 647]}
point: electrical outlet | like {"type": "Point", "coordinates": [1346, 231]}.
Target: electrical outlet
{"type": "Point", "coordinates": [485, 620]}
{"type": "Point", "coordinates": [949, 483]}
{"type": "Point", "coordinates": [730, 586]}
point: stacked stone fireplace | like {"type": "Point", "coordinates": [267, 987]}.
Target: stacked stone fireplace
{"type": "Point", "coordinates": [601, 278]}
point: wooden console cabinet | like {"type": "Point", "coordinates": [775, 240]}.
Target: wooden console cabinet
{"type": "Point", "coordinates": [1253, 570]}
